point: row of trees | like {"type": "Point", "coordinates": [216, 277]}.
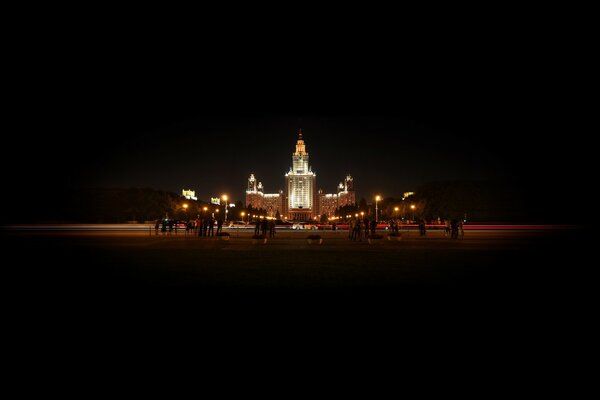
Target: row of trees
{"type": "Point", "coordinates": [116, 205]}
{"type": "Point", "coordinates": [473, 200]}
{"type": "Point", "coordinates": [478, 200]}
{"type": "Point", "coordinates": [100, 205]}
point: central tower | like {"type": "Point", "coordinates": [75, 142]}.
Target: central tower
{"type": "Point", "coordinates": [300, 185]}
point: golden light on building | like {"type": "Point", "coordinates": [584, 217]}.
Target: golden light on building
{"type": "Point", "coordinates": [300, 200]}
{"type": "Point", "coordinates": [189, 194]}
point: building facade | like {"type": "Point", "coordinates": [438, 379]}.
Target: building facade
{"type": "Point", "coordinates": [189, 194]}
{"type": "Point", "coordinates": [300, 185]}
{"type": "Point", "coordinates": [328, 202]}
{"type": "Point", "coordinates": [273, 203]}
{"type": "Point", "coordinates": [299, 201]}
{"type": "Point", "coordinates": [270, 202]}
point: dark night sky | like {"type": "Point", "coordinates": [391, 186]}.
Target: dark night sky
{"type": "Point", "coordinates": [393, 119]}
{"type": "Point", "coordinates": [389, 144]}
{"type": "Point", "coordinates": [385, 154]}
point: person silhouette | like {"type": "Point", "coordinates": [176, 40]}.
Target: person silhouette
{"type": "Point", "coordinates": [422, 228]}
{"type": "Point", "coordinates": [454, 228]}
{"type": "Point", "coordinates": [271, 228]}
{"type": "Point", "coordinates": [257, 227]}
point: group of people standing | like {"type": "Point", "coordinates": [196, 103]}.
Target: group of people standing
{"type": "Point", "coordinates": [359, 228]}
{"type": "Point", "coordinates": [454, 229]}
{"type": "Point", "coordinates": [199, 226]}
{"type": "Point", "coordinates": [263, 225]}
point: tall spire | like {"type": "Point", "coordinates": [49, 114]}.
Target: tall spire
{"type": "Point", "coordinates": [300, 146]}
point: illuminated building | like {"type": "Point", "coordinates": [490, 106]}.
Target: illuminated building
{"type": "Point", "coordinates": [189, 194]}
{"type": "Point", "coordinates": [346, 195]}
{"type": "Point", "coordinates": [328, 202]}
{"type": "Point", "coordinates": [270, 202]}
{"type": "Point", "coordinates": [254, 193]}
{"type": "Point", "coordinates": [273, 202]}
{"type": "Point", "coordinates": [300, 185]}
{"type": "Point", "coordinates": [299, 201]}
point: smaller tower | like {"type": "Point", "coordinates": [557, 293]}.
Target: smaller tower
{"type": "Point", "coordinates": [251, 183]}
{"type": "Point", "coordinates": [349, 183]}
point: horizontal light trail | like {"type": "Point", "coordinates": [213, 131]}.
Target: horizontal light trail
{"type": "Point", "coordinates": [147, 227]}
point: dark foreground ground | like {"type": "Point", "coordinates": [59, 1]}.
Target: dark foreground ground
{"type": "Point", "coordinates": [486, 274]}
{"type": "Point", "coordinates": [505, 298]}
{"type": "Point", "coordinates": [506, 301]}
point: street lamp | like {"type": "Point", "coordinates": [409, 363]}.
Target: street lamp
{"type": "Point", "coordinates": [377, 198]}
{"type": "Point", "coordinates": [242, 214]}
{"type": "Point", "coordinates": [185, 207]}
{"type": "Point", "coordinates": [224, 197]}
{"type": "Point", "coordinates": [412, 207]}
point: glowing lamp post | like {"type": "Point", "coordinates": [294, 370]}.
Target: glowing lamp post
{"type": "Point", "coordinates": [377, 198]}
{"type": "Point", "coordinates": [185, 207]}
{"type": "Point", "coordinates": [224, 197]}
{"type": "Point", "coordinates": [412, 207]}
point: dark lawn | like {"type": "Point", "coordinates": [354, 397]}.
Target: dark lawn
{"type": "Point", "coordinates": [517, 293]}
{"type": "Point", "coordinates": [495, 270]}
